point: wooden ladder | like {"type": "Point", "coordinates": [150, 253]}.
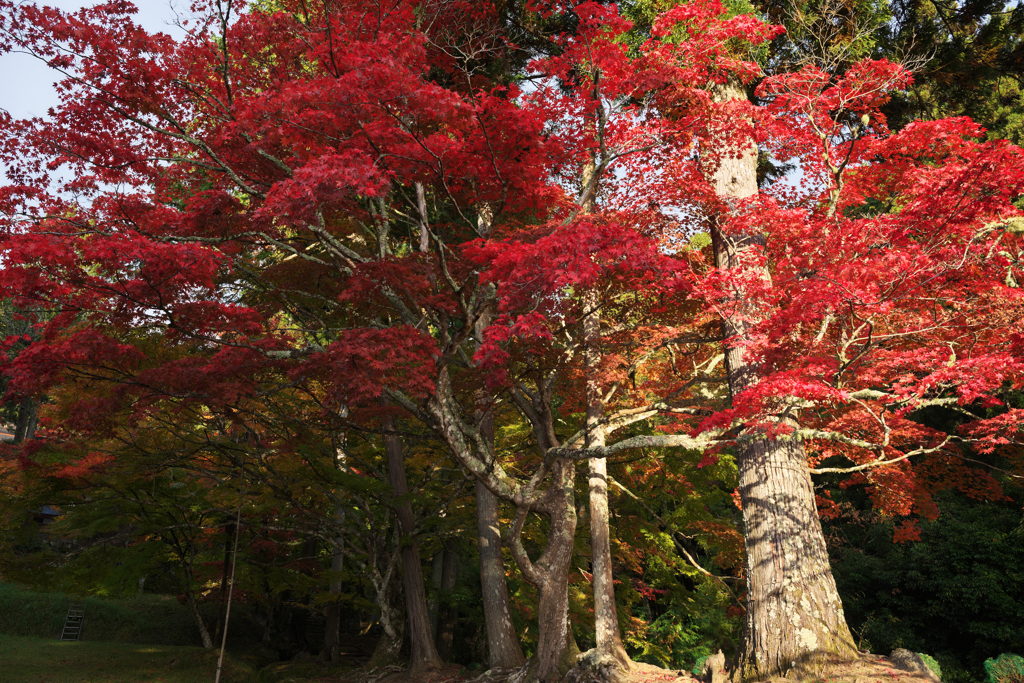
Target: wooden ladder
{"type": "Point", "coordinates": [315, 627]}
{"type": "Point", "coordinates": [73, 622]}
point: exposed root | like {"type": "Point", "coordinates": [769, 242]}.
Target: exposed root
{"type": "Point", "coordinates": [371, 675]}
{"type": "Point", "coordinates": [596, 666]}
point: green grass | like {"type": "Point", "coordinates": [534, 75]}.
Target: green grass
{"type": "Point", "coordinates": [147, 619]}
{"type": "Point", "coordinates": [35, 660]}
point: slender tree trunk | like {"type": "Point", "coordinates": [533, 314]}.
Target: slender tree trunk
{"type": "Point", "coordinates": [424, 654]}
{"type": "Point", "coordinates": [606, 619]}
{"type": "Point", "coordinates": [193, 608]}
{"type": "Point", "coordinates": [793, 607]}
{"type": "Point", "coordinates": [503, 648]}
{"type": "Point", "coordinates": [268, 628]}
{"type": "Point", "coordinates": [331, 651]}
{"type": "Point", "coordinates": [392, 621]}
{"type": "Point", "coordinates": [219, 628]}
{"type": "Point", "coordinates": [448, 613]}
{"type": "Point", "coordinates": [436, 569]}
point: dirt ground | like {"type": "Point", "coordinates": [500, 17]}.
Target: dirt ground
{"type": "Point", "coordinates": [868, 668]}
{"type": "Point", "coordinates": [822, 669]}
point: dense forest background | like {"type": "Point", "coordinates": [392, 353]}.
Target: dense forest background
{"type": "Point", "coordinates": [151, 455]}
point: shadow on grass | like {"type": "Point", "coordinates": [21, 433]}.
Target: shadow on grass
{"type": "Point", "coordinates": [32, 660]}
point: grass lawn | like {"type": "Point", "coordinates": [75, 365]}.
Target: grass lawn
{"type": "Point", "coordinates": [36, 660]}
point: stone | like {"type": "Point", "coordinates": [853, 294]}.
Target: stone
{"type": "Point", "coordinates": [714, 669]}
{"type": "Point", "coordinates": [906, 660]}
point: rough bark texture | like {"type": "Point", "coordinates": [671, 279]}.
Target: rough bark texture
{"type": "Point", "coordinates": [793, 607]}
{"type": "Point", "coordinates": [503, 649]}
{"type": "Point", "coordinates": [556, 647]}
{"type": "Point", "coordinates": [606, 619]}
{"type": "Point", "coordinates": [597, 666]}
{"type": "Point", "coordinates": [424, 655]}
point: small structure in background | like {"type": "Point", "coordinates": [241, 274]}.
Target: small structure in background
{"type": "Point", "coordinates": [73, 622]}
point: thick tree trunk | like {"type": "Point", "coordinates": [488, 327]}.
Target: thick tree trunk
{"type": "Point", "coordinates": [556, 647]}
{"type": "Point", "coordinates": [793, 608]}
{"type": "Point", "coordinates": [424, 654]}
{"type": "Point", "coordinates": [448, 613]}
{"type": "Point", "coordinates": [503, 649]}
{"type": "Point", "coordinates": [606, 619]}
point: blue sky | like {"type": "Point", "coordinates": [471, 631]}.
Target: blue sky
{"type": "Point", "coordinates": [26, 85]}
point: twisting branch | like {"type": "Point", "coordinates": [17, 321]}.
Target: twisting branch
{"type": "Point", "coordinates": [880, 462]}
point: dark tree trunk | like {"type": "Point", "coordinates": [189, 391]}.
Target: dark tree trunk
{"type": "Point", "coordinates": [331, 651]}
{"type": "Point", "coordinates": [793, 607]}
{"type": "Point", "coordinates": [28, 418]}
{"type": "Point", "coordinates": [448, 613]}
{"type": "Point", "coordinates": [268, 628]}
{"type": "Point", "coordinates": [436, 568]}
{"type": "Point", "coordinates": [424, 654]}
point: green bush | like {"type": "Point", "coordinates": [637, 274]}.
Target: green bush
{"type": "Point", "coordinates": [1005, 668]}
{"type": "Point", "coordinates": [957, 594]}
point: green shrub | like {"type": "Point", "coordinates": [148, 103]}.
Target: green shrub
{"type": "Point", "coordinates": [957, 594]}
{"type": "Point", "coordinates": [1005, 668]}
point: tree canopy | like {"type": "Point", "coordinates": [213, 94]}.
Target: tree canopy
{"type": "Point", "coordinates": [350, 255]}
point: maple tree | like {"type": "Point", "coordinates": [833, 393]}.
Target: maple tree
{"type": "Point", "coordinates": [337, 202]}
